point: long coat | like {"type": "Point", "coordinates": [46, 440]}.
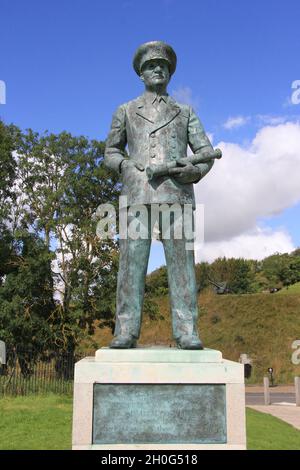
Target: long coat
{"type": "Point", "coordinates": [155, 138]}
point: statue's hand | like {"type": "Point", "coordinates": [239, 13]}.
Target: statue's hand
{"type": "Point", "coordinates": [188, 174]}
{"type": "Point", "coordinates": [182, 162]}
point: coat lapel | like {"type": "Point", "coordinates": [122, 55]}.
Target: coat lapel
{"type": "Point", "coordinates": [171, 111]}
{"type": "Point", "coordinates": [157, 120]}
{"type": "Point", "coordinates": [145, 111]}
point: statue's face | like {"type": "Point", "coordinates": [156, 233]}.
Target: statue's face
{"type": "Point", "coordinates": [155, 73]}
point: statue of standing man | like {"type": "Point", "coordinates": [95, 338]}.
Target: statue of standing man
{"type": "Point", "coordinates": [158, 131]}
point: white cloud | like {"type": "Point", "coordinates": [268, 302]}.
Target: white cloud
{"type": "Point", "coordinates": [271, 120]}
{"type": "Point", "coordinates": [256, 244]}
{"type": "Point", "coordinates": [248, 184]}
{"type": "Point", "coordinates": [184, 95]}
{"type": "Point", "coordinates": [259, 120]}
{"type": "Point", "coordinates": [237, 121]}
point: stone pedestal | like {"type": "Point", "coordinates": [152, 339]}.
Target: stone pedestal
{"type": "Point", "coordinates": [158, 398]}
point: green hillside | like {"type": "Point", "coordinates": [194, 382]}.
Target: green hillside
{"type": "Point", "coordinates": [293, 289]}
{"type": "Point", "coordinates": [262, 325]}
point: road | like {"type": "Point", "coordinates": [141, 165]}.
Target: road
{"type": "Point", "coordinates": [257, 398]}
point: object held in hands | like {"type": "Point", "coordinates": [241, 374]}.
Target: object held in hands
{"type": "Point", "coordinates": [175, 167]}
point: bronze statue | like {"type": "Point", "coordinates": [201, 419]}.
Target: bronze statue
{"type": "Point", "coordinates": [157, 131]}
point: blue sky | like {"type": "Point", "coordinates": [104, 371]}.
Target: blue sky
{"type": "Point", "coordinates": [67, 66]}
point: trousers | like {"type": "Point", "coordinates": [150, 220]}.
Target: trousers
{"type": "Point", "coordinates": [133, 263]}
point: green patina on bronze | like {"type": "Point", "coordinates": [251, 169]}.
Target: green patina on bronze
{"type": "Point", "coordinates": [160, 413]}
{"type": "Point", "coordinates": [158, 131]}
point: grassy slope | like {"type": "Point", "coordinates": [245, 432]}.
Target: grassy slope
{"type": "Point", "coordinates": [261, 325]}
{"type": "Point", "coordinates": [294, 289]}
{"type": "Point", "coordinates": [44, 422]}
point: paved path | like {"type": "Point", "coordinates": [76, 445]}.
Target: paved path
{"type": "Point", "coordinates": [287, 412]}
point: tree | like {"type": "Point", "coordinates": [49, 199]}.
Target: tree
{"type": "Point", "coordinates": [157, 282]}
{"type": "Point", "coordinates": [26, 301]}
{"type": "Point", "coordinates": [282, 269]}
{"type": "Point", "coordinates": [202, 275]}
{"type": "Point", "coordinates": [8, 136]}
{"type": "Point", "coordinates": [63, 182]}
{"type": "Point", "coordinates": [243, 278]}
{"type": "Point", "coordinates": [238, 273]}
{"type": "Point", "coordinates": [272, 266]}
{"type": "Point", "coordinates": [290, 272]}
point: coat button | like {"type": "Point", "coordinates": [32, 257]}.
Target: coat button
{"type": "Point", "coordinates": [153, 144]}
{"type": "Point", "coordinates": [152, 135]}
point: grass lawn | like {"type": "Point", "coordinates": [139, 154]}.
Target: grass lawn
{"type": "Point", "coordinates": [44, 422]}
{"type": "Point", "coordinates": [264, 432]}
{"type": "Point", "coordinates": [36, 422]}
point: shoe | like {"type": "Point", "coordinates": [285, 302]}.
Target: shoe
{"type": "Point", "coordinates": [189, 342]}
{"type": "Point", "coordinates": [123, 342]}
